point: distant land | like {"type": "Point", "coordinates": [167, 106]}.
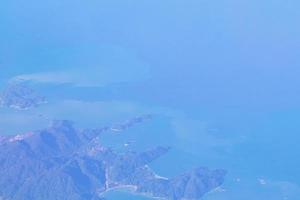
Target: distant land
{"type": "Point", "coordinates": [18, 95]}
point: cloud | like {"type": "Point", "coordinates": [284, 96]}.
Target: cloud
{"type": "Point", "coordinates": [262, 181]}
{"type": "Point", "coordinates": [97, 67]}
{"type": "Point", "coordinates": [95, 113]}
{"type": "Point", "coordinates": [88, 77]}
{"type": "Point", "coordinates": [58, 77]}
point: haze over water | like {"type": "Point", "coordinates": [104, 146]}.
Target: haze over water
{"type": "Point", "coordinates": [219, 77]}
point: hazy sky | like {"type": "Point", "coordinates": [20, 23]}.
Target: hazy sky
{"type": "Point", "coordinates": [243, 52]}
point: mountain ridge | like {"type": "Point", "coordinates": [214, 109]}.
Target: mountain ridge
{"type": "Point", "coordinates": [63, 163]}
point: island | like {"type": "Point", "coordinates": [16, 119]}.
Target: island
{"type": "Point", "coordinates": [62, 162]}
{"type": "Point", "coordinates": [18, 95]}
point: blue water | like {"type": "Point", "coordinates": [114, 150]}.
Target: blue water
{"type": "Point", "coordinates": [220, 77]}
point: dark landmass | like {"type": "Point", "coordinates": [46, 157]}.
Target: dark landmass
{"type": "Point", "coordinates": [65, 163]}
